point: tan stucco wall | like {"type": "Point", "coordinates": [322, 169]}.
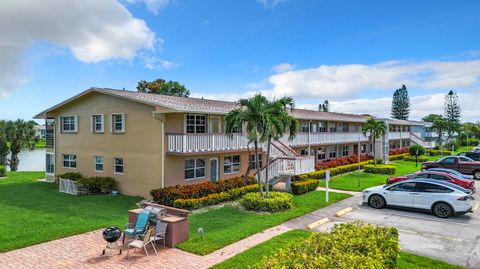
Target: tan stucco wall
{"type": "Point", "coordinates": [174, 123]}
{"type": "Point", "coordinates": [141, 146]}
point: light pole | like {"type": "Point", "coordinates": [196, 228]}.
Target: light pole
{"type": "Point", "coordinates": [367, 134]}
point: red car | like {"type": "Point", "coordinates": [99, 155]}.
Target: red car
{"type": "Point", "coordinates": [464, 183]}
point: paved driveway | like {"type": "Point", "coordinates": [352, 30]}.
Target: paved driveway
{"type": "Point", "coordinates": [455, 240]}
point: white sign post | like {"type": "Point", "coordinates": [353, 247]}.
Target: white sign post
{"type": "Point", "coordinates": [327, 179]}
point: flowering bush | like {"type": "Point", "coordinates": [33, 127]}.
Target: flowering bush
{"type": "Point", "coordinates": [320, 174]}
{"type": "Point", "coordinates": [394, 152]}
{"type": "Point", "coordinates": [341, 161]}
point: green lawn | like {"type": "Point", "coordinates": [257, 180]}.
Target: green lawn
{"type": "Point", "coordinates": [32, 212]}
{"type": "Point", "coordinates": [40, 144]}
{"type": "Point", "coordinates": [349, 181]}
{"type": "Point", "coordinates": [255, 254]}
{"type": "Point", "coordinates": [228, 224]}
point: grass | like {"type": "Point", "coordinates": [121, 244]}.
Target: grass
{"type": "Point", "coordinates": [267, 248]}
{"type": "Point", "coordinates": [228, 224]}
{"type": "Point", "coordinates": [32, 212]}
{"type": "Point", "coordinates": [40, 144]}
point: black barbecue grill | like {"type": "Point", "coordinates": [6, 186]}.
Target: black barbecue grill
{"type": "Point", "coordinates": [111, 235]}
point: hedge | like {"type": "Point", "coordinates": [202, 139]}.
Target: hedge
{"type": "Point", "coordinates": [397, 157]}
{"type": "Point", "coordinates": [300, 187]}
{"type": "Point", "coordinates": [98, 184]}
{"type": "Point", "coordinates": [214, 198]}
{"type": "Point", "coordinates": [380, 169]}
{"type": "Point", "coordinates": [3, 171]}
{"type": "Point", "coordinates": [167, 195]}
{"type": "Point", "coordinates": [341, 161]}
{"type": "Point", "coordinates": [333, 171]}
{"type": "Point", "coordinates": [414, 148]}
{"type": "Point", "coordinates": [412, 158]}
{"type": "Point", "coordinates": [394, 152]}
{"type": "Point", "coordinates": [71, 175]}
{"type": "Point", "coordinates": [278, 201]}
{"type": "Point", "coordinates": [436, 152]}
{"type": "Point", "coordinates": [351, 245]}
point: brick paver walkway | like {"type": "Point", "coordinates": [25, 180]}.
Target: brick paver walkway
{"type": "Point", "coordinates": [83, 251]}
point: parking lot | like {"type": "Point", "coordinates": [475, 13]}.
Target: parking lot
{"type": "Point", "coordinates": [455, 240]}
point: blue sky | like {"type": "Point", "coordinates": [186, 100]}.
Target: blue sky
{"type": "Point", "coordinates": [354, 53]}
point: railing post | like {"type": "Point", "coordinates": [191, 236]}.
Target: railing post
{"type": "Point", "coordinates": [184, 143]}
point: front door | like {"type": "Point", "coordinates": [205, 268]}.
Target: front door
{"type": "Point", "coordinates": [215, 124]}
{"type": "Point", "coordinates": [214, 169]}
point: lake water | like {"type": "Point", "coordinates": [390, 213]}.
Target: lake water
{"type": "Point", "coordinates": [31, 160]}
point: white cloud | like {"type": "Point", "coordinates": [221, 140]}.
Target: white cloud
{"type": "Point", "coordinates": [270, 4]}
{"type": "Point", "coordinates": [92, 30]}
{"type": "Point", "coordinates": [153, 6]}
{"type": "Point", "coordinates": [346, 81]}
{"type": "Point", "coordinates": [152, 62]}
{"type": "Point", "coordinates": [282, 68]}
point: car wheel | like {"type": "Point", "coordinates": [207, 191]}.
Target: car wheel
{"type": "Point", "coordinates": [442, 210]}
{"type": "Point", "coordinates": [476, 174]}
{"type": "Point", "coordinates": [376, 201]}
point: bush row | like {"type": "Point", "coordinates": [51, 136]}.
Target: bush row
{"type": "Point", "coordinates": [71, 175]}
{"type": "Point", "coordinates": [436, 152]}
{"type": "Point", "coordinates": [167, 195]}
{"type": "Point", "coordinates": [3, 171]}
{"type": "Point", "coordinates": [394, 152]}
{"type": "Point", "coordinates": [385, 169]}
{"type": "Point", "coordinates": [333, 171]}
{"type": "Point", "coordinates": [214, 198]}
{"type": "Point", "coordinates": [278, 201]}
{"type": "Point", "coordinates": [91, 184]}
{"type": "Point", "coordinates": [341, 161]}
{"type": "Point", "coordinates": [412, 158]}
{"type": "Point", "coordinates": [397, 157]}
{"type": "Point", "coordinates": [350, 245]}
{"type": "Point", "coordinates": [304, 186]}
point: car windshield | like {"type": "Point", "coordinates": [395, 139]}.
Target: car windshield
{"type": "Point", "coordinates": [450, 171]}
{"type": "Point", "coordinates": [466, 159]}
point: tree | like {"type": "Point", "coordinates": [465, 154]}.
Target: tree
{"type": "Point", "coordinates": [20, 134]}
{"type": "Point", "coordinates": [3, 144]}
{"type": "Point", "coordinates": [439, 124]}
{"type": "Point", "coordinates": [377, 129]}
{"type": "Point", "coordinates": [325, 107]}
{"type": "Point", "coordinates": [251, 113]}
{"type": "Point", "coordinates": [160, 86]}
{"type": "Point", "coordinates": [401, 104]}
{"type": "Point", "coordinates": [277, 123]}
{"type": "Point", "coordinates": [452, 113]}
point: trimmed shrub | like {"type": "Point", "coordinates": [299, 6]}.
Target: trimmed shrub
{"type": "Point", "coordinates": [3, 171]}
{"type": "Point", "coordinates": [436, 152]}
{"type": "Point", "coordinates": [380, 169]}
{"type": "Point", "coordinates": [412, 158]}
{"type": "Point", "coordinates": [300, 187]}
{"type": "Point", "coordinates": [167, 195]}
{"type": "Point", "coordinates": [341, 161]}
{"type": "Point", "coordinates": [397, 157]}
{"type": "Point", "coordinates": [278, 201]}
{"type": "Point", "coordinates": [394, 152]}
{"type": "Point", "coordinates": [334, 171]}
{"type": "Point", "coordinates": [413, 150]}
{"type": "Point", "coordinates": [71, 175]}
{"type": "Point", "coordinates": [350, 245]}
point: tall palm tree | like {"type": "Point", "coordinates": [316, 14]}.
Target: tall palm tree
{"type": "Point", "coordinates": [277, 123]}
{"type": "Point", "coordinates": [440, 125]}
{"type": "Point", "coordinates": [377, 128]}
{"type": "Point", "coordinates": [251, 113]}
{"type": "Point", "coordinates": [20, 134]}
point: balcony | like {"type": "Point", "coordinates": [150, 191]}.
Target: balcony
{"type": "Point", "coordinates": [398, 135]}
{"type": "Point", "coordinates": [305, 139]}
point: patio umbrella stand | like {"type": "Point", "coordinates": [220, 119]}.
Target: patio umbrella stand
{"type": "Point", "coordinates": [111, 235]}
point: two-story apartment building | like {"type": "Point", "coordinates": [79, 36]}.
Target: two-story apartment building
{"type": "Point", "coordinates": [147, 141]}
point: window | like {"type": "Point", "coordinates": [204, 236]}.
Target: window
{"type": "Point", "coordinates": [322, 126]}
{"type": "Point", "coordinates": [305, 126]}
{"type": "Point", "coordinates": [118, 123]}
{"type": "Point", "coordinates": [449, 160]}
{"type": "Point", "coordinates": [118, 165]}
{"type": "Point", "coordinates": [252, 160]}
{"type": "Point", "coordinates": [465, 159]}
{"type": "Point", "coordinates": [333, 152]}
{"type": "Point", "coordinates": [405, 187]}
{"type": "Point", "coordinates": [69, 161]}
{"type": "Point", "coordinates": [332, 127]}
{"type": "Point", "coordinates": [231, 164]}
{"type": "Point", "coordinates": [196, 124]}
{"type": "Point", "coordinates": [364, 148]}
{"type": "Point", "coordinates": [68, 124]}
{"type": "Point", "coordinates": [99, 164]}
{"type": "Point", "coordinates": [345, 150]}
{"type": "Point", "coordinates": [97, 123]}
{"type": "Point", "coordinates": [194, 168]}
{"type": "Point", "coordinates": [321, 153]}
{"type": "Point", "coordinates": [345, 127]}
{"type": "Point", "coordinates": [49, 164]}
{"type": "Point", "coordinates": [304, 152]}
{"type": "Point", "coordinates": [428, 187]}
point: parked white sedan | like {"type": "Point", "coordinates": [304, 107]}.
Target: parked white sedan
{"type": "Point", "coordinates": [443, 199]}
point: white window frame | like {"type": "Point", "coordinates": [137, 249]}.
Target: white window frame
{"type": "Point", "coordinates": [194, 168]}
{"type": "Point", "coordinates": [112, 123]}
{"type": "Point", "coordinates": [75, 118]}
{"type": "Point", "coordinates": [102, 163]}
{"type": "Point", "coordinates": [252, 160]}
{"type": "Point", "coordinates": [343, 150]}
{"type": "Point", "coordinates": [232, 164]}
{"type": "Point", "coordinates": [52, 159]}
{"type": "Point", "coordinates": [333, 151]}
{"type": "Point", "coordinates": [70, 160]}
{"type": "Point", "coordinates": [321, 151]}
{"type": "Point", "coordinates": [93, 124]}
{"type": "Point", "coordinates": [115, 166]}
{"type": "Point", "coordinates": [195, 123]}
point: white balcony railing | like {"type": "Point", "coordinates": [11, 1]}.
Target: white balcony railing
{"type": "Point", "coordinates": [398, 135]}
{"type": "Point", "coordinates": [303, 139]}
{"type": "Point", "coordinates": [288, 167]}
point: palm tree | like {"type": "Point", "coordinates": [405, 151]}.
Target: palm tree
{"type": "Point", "coordinates": [377, 128]}
{"type": "Point", "coordinates": [440, 125]}
{"type": "Point", "coordinates": [277, 123]}
{"type": "Point", "coordinates": [20, 134]}
{"type": "Point", "coordinates": [251, 113]}
{"type": "Point", "coordinates": [3, 144]}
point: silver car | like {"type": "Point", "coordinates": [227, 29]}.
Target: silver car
{"type": "Point", "coordinates": [443, 199]}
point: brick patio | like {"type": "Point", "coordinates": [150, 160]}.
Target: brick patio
{"type": "Point", "coordinates": [84, 251]}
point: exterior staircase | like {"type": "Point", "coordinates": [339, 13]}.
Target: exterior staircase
{"type": "Point", "coordinates": [420, 141]}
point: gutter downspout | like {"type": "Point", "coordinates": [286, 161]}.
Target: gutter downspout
{"type": "Point", "coordinates": [309, 143]}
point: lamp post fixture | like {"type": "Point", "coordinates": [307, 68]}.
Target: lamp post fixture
{"type": "Point", "coordinates": [367, 134]}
